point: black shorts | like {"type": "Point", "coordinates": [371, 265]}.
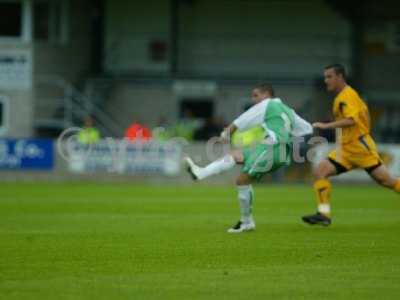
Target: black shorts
{"type": "Point", "coordinates": [341, 169]}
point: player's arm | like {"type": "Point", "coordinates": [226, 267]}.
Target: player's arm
{"type": "Point", "coordinates": [301, 127]}
{"type": "Point", "coordinates": [227, 133]}
{"type": "Point", "coordinates": [343, 123]}
{"type": "Point", "coordinates": [249, 119]}
{"type": "Point", "coordinates": [348, 113]}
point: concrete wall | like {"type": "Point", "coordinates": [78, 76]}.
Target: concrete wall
{"type": "Point", "coordinates": [20, 110]}
{"type": "Point", "coordinates": [267, 38]}
{"type": "Point", "coordinates": [228, 37]}
{"type": "Point", "coordinates": [130, 101]}
{"type": "Point", "coordinates": [68, 59]}
{"type": "Point", "coordinates": [130, 28]}
{"type": "Point", "coordinates": [381, 57]}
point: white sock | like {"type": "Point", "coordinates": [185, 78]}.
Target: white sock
{"type": "Point", "coordinates": [245, 195]}
{"type": "Point", "coordinates": [324, 209]}
{"type": "Point", "coordinates": [224, 163]}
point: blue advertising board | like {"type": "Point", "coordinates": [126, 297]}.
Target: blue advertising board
{"type": "Point", "coordinates": [26, 154]}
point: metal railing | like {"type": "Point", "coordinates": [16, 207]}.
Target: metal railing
{"type": "Point", "coordinates": [76, 106]}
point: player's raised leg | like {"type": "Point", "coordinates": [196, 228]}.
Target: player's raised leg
{"type": "Point", "coordinates": [323, 189]}
{"type": "Point", "coordinates": [382, 176]}
{"type": "Point", "coordinates": [246, 198]}
{"type": "Point", "coordinates": [220, 165]}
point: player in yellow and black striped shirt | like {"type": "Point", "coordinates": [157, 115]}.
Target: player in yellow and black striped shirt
{"type": "Point", "coordinates": [355, 146]}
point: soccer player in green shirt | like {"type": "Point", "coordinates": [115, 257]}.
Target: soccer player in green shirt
{"type": "Point", "coordinates": [280, 124]}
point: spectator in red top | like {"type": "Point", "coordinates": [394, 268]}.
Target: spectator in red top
{"type": "Point", "coordinates": [138, 132]}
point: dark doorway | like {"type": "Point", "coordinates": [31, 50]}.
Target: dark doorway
{"type": "Point", "coordinates": [198, 108]}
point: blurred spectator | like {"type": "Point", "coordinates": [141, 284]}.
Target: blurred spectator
{"type": "Point", "coordinates": [161, 132]}
{"type": "Point", "coordinates": [187, 125]}
{"type": "Point", "coordinates": [89, 134]}
{"type": "Point", "coordinates": [138, 132]}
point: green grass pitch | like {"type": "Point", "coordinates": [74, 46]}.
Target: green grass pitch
{"type": "Point", "coordinates": [121, 241]}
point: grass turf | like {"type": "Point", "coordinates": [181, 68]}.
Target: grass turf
{"type": "Point", "coordinates": [79, 241]}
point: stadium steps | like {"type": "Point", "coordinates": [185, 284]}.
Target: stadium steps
{"type": "Point", "coordinates": [59, 105]}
